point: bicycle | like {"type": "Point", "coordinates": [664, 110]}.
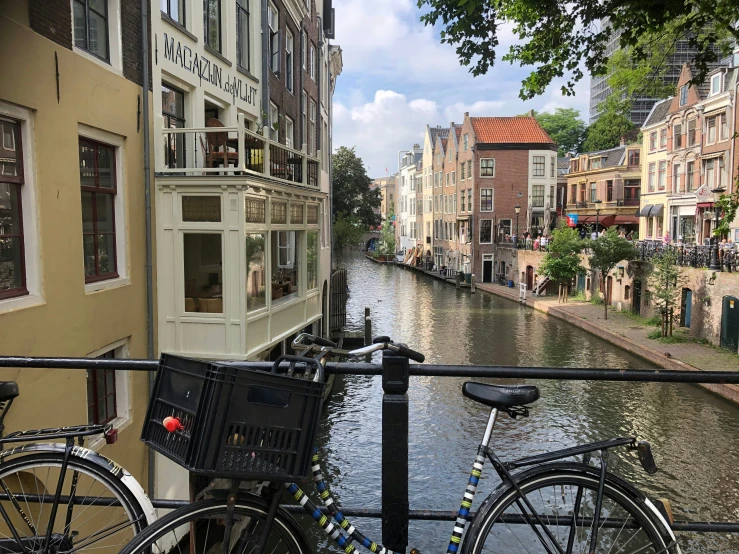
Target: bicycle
{"type": "Point", "coordinates": [61, 498]}
{"type": "Point", "coordinates": [543, 504]}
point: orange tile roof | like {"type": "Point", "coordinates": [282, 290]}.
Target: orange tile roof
{"type": "Point", "coordinates": [458, 130]}
{"type": "Point", "coordinates": [516, 130]}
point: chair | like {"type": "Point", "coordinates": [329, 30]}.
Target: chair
{"type": "Point", "coordinates": [215, 147]}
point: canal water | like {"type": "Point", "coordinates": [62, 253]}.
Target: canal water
{"type": "Point", "coordinates": [694, 434]}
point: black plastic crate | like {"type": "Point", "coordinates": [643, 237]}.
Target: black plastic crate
{"type": "Point", "coordinates": [248, 424]}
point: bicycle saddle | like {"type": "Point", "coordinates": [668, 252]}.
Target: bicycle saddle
{"type": "Point", "coordinates": [501, 396]}
{"type": "Point", "coordinates": [8, 390]}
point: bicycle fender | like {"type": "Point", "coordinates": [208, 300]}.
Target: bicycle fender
{"type": "Point", "coordinates": [661, 518]}
{"type": "Point", "coordinates": [108, 465]}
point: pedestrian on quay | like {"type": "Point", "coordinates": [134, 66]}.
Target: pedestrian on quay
{"type": "Point", "coordinates": [537, 242]}
{"type": "Point", "coordinates": [593, 235]}
{"type": "Point", "coordinates": [543, 243]}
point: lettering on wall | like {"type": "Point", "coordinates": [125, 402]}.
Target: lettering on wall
{"type": "Point", "coordinates": [208, 71]}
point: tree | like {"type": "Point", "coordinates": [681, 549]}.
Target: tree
{"type": "Point", "coordinates": [607, 131]}
{"type": "Point", "coordinates": [387, 236]}
{"type": "Point", "coordinates": [606, 251]}
{"type": "Point", "coordinates": [666, 282]}
{"type": "Point", "coordinates": [568, 39]}
{"type": "Point", "coordinates": [562, 261]}
{"type": "Point", "coordinates": [565, 127]}
{"type": "Point", "coordinates": [347, 231]}
{"type": "Point", "coordinates": [352, 196]}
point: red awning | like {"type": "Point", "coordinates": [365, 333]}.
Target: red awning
{"type": "Point", "coordinates": [626, 220]}
{"type": "Point", "coordinates": [586, 219]}
{"type": "Point", "coordinates": [606, 220]}
{"type": "Point", "coordinates": [705, 204]}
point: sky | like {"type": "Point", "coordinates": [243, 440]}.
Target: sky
{"type": "Point", "coordinates": [398, 77]}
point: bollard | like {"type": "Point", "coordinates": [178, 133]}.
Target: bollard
{"type": "Point", "coordinates": [472, 283]}
{"type": "Point", "coordinates": [367, 332]}
{"type": "Point", "coordinates": [394, 451]}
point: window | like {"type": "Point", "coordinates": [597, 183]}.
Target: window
{"type": "Point", "coordinates": [469, 199]}
{"type": "Point", "coordinates": [537, 196]}
{"type": "Point", "coordinates": [436, 203]}
{"type": "Point", "coordinates": [450, 154]}
{"type": "Point", "coordinates": [454, 203]}
{"type": "Point", "coordinates": [691, 132]}
{"type": "Point", "coordinates": [632, 189]}
{"type": "Point", "coordinates": [539, 166]}
{"type": "Point", "coordinates": [724, 127]}
{"type": "Point", "coordinates": [711, 138]}
{"type": "Point", "coordinates": [256, 277]}
{"type": "Point", "coordinates": [243, 34]}
{"type": "Point", "coordinates": [212, 20]}
{"type": "Point", "coordinates": [710, 173]}
{"type": "Point", "coordinates": [312, 62]}
{"type": "Point", "coordinates": [721, 173]}
{"type": "Point", "coordinates": [463, 196]}
{"type": "Point", "coordinates": [304, 49]}
{"type": "Point", "coordinates": [289, 61]}
{"type": "Point", "coordinates": [466, 141]}
{"type": "Point", "coordinates": [312, 129]}
{"type": "Point", "coordinates": [203, 271]}
{"type": "Point", "coordinates": [716, 83]}
{"type": "Point", "coordinates": [101, 394]}
{"type": "Point", "coordinates": [312, 259]}
{"type": "Point", "coordinates": [651, 177]}
{"type": "Point", "coordinates": [175, 9]}
{"type": "Point", "coordinates": [448, 178]}
{"type": "Point", "coordinates": [274, 119]}
{"type": "Point", "coordinates": [573, 194]}
{"type": "Point", "coordinates": [486, 200]}
{"type": "Point", "coordinates": [675, 177]}
{"type": "Point", "coordinates": [201, 209]}
{"type": "Point", "coordinates": [469, 169]}
{"type": "Point", "coordinates": [593, 192]}
{"type": "Point", "coordinates": [663, 138]}
{"type": "Point", "coordinates": [461, 172]}
{"type": "Point", "coordinates": [305, 118]}
{"type": "Point", "coordinates": [689, 176]}
{"type": "Point", "coordinates": [289, 132]}
{"type": "Point", "coordinates": [454, 177]}
{"type": "Point", "coordinates": [486, 231]}
{"type": "Point", "coordinates": [551, 167]}
{"type": "Point", "coordinates": [634, 157]}
{"type": "Point", "coordinates": [255, 210]}
{"type": "Point", "coordinates": [285, 265]}
{"type": "Point", "coordinates": [662, 176]}
{"type": "Point", "coordinates": [609, 191]}
{"type": "Point", "coordinates": [595, 163]}
{"type": "Point", "coordinates": [650, 226]}
{"type": "Point", "coordinates": [91, 27]}
{"type": "Point", "coordinates": [12, 248]}
{"type": "Point", "coordinates": [487, 167]}
{"type": "Point", "coordinates": [683, 95]}
{"type": "Point", "coordinates": [273, 20]}
{"type": "Point", "coordinates": [98, 187]}
{"type": "Point", "coordinates": [173, 112]}
{"type": "Point", "coordinates": [653, 141]}
{"type": "Point", "coordinates": [677, 136]}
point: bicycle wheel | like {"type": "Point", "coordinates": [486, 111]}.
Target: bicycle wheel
{"type": "Point", "coordinates": [199, 529]}
{"type": "Point", "coordinates": [101, 516]}
{"type": "Point", "coordinates": [627, 523]}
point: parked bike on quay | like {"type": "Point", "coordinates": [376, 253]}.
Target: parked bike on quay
{"type": "Point", "coordinates": [62, 498]}
{"type": "Point", "coordinates": [245, 425]}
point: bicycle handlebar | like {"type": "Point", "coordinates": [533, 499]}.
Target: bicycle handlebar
{"type": "Point", "coordinates": [305, 342]}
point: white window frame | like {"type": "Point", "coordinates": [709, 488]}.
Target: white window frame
{"type": "Point", "coordinates": [123, 400]}
{"type": "Point", "coordinates": [543, 164]}
{"type": "Point", "coordinates": [466, 141]}
{"type": "Point", "coordinates": [312, 62]}
{"type": "Point", "coordinates": [274, 117]}
{"type": "Point", "coordinates": [715, 120]}
{"type": "Point", "coordinates": [481, 167]}
{"type": "Point", "coordinates": [312, 128]}
{"type": "Point", "coordinates": [119, 205]}
{"type": "Point", "coordinates": [305, 119]}
{"type": "Point", "coordinates": [29, 209]}
{"type": "Point", "coordinates": [273, 17]}
{"type": "Point", "coordinates": [492, 199]}
{"type": "Point", "coordinates": [716, 83]}
{"type": "Point", "coordinates": [289, 62]}
{"type": "Point", "coordinates": [115, 48]}
{"type": "Point", "coordinates": [289, 132]}
{"type": "Point", "coordinates": [492, 233]}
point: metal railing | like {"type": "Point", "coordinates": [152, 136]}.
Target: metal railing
{"type": "Point", "coordinates": [698, 256]}
{"type": "Point", "coordinates": [396, 373]}
{"type": "Point", "coordinates": [235, 151]}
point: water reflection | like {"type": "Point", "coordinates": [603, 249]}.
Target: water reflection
{"type": "Point", "coordinates": [694, 434]}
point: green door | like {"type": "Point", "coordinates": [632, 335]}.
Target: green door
{"type": "Point", "coordinates": [730, 323]}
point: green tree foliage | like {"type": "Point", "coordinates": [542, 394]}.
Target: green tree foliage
{"type": "Point", "coordinates": [607, 131]}
{"type": "Point", "coordinates": [387, 235]}
{"type": "Point", "coordinates": [605, 252]}
{"type": "Point", "coordinates": [562, 261]}
{"type": "Point", "coordinates": [565, 127]}
{"type": "Point", "coordinates": [665, 283]}
{"type": "Point", "coordinates": [352, 196]}
{"type": "Point", "coordinates": [568, 40]}
{"type": "Point", "coordinates": [727, 204]}
{"type": "Point", "coordinates": [347, 231]}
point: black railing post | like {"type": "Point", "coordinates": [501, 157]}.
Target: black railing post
{"type": "Point", "coordinates": [395, 377]}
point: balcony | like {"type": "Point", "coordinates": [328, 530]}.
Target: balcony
{"type": "Point", "coordinates": [235, 151]}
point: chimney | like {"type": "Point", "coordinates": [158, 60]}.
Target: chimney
{"type": "Point", "coordinates": [623, 140]}
{"type": "Point", "coordinates": [531, 113]}
{"type": "Point", "coordinates": [466, 114]}
{"type": "Point", "coordinates": [416, 146]}
{"type": "Point", "coordinates": [568, 155]}
{"type": "Point", "coordinates": [451, 125]}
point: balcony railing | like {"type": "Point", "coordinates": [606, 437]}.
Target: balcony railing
{"type": "Point", "coordinates": [235, 151]}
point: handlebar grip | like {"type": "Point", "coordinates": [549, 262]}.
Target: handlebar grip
{"type": "Point", "coordinates": [381, 338]}
{"type": "Point", "coordinates": [408, 353]}
{"type": "Point", "coordinates": [324, 342]}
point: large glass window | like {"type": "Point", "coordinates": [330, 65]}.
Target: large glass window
{"type": "Point", "coordinates": [486, 200]}
{"type": "Point", "coordinates": [312, 260]}
{"type": "Point", "coordinates": [98, 185]}
{"type": "Point", "coordinates": [537, 196]}
{"type": "Point", "coordinates": [91, 27]}
{"type": "Point", "coordinates": [539, 168]}
{"type": "Point", "coordinates": [212, 24]}
{"type": "Point", "coordinates": [173, 112]}
{"type": "Point", "coordinates": [175, 9]}
{"type": "Point", "coordinates": [12, 255]}
{"type": "Point", "coordinates": [203, 270]}
{"type": "Point", "coordinates": [256, 278]}
{"type": "Point", "coordinates": [243, 32]}
{"type": "Point", "coordinates": [487, 167]}
{"type": "Point", "coordinates": [285, 264]}
{"type": "Point", "coordinates": [486, 231]}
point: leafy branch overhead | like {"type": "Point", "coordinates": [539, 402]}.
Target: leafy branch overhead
{"type": "Point", "coordinates": [561, 39]}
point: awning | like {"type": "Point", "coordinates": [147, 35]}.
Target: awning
{"type": "Point", "coordinates": [586, 219]}
{"type": "Point", "coordinates": [645, 210]}
{"type": "Point", "coordinates": [606, 220]}
{"type": "Point", "coordinates": [656, 210]}
{"type": "Point", "coordinates": [705, 205]}
{"type": "Point", "coordinates": [626, 220]}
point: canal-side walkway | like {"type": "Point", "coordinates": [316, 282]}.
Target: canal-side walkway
{"type": "Point", "coordinates": [630, 333]}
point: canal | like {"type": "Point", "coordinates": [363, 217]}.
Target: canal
{"type": "Point", "coordinates": [694, 434]}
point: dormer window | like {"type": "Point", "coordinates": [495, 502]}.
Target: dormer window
{"type": "Point", "coordinates": [683, 95]}
{"type": "Point", "coordinates": [716, 84]}
{"type": "Point", "coordinates": [595, 163]}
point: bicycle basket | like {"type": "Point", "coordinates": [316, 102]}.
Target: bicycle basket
{"type": "Point", "coordinates": [249, 424]}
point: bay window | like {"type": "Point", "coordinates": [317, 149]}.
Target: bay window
{"type": "Point", "coordinates": [285, 264]}
{"type": "Point", "coordinates": [312, 259]}
{"type": "Point", "coordinates": [202, 255]}
{"type": "Point", "coordinates": [256, 282]}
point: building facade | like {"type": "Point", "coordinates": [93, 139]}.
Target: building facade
{"type": "Point", "coordinates": [406, 229]}
{"type": "Point", "coordinates": [72, 228]}
{"type": "Point", "coordinates": [429, 144]}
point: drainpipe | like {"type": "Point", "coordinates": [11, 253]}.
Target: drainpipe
{"type": "Point", "coordinates": [318, 79]}
{"type": "Point", "coordinates": [147, 214]}
{"type": "Point", "coordinates": [265, 62]}
{"type": "Point", "coordinates": [303, 130]}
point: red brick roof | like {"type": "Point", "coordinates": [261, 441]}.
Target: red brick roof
{"type": "Point", "coordinates": [458, 130]}
{"type": "Point", "coordinates": [516, 130]}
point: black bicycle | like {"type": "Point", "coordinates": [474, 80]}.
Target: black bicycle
{"type": "Point", "coordinates": [62, 498]}
{"type": "Point", "coordinates": [256, 426]}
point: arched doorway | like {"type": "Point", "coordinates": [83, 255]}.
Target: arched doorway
{"type": "Point", "coordinates": [324, 310]}
{"type": "Point", "coordinates": [529, 277]}
{"type": "Point", "coordinates": [730, 323]}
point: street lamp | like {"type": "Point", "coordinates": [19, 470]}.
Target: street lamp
{"type": "Point", "coordinates": [597, 213]}
{"type": "Point", "coordinates": [715, 264]}
{"type": "Point", "coordinates": [517, 208]}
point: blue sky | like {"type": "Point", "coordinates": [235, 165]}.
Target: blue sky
{"type": "Point", "coordinates": [398, 77]}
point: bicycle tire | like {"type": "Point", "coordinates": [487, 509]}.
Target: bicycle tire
{"type": "Point", "coordinates": [23, 478]}
{"type": "Point", "coordinates": [163, 536]}
{"type": "Point", "coordinates": [500, 523]}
